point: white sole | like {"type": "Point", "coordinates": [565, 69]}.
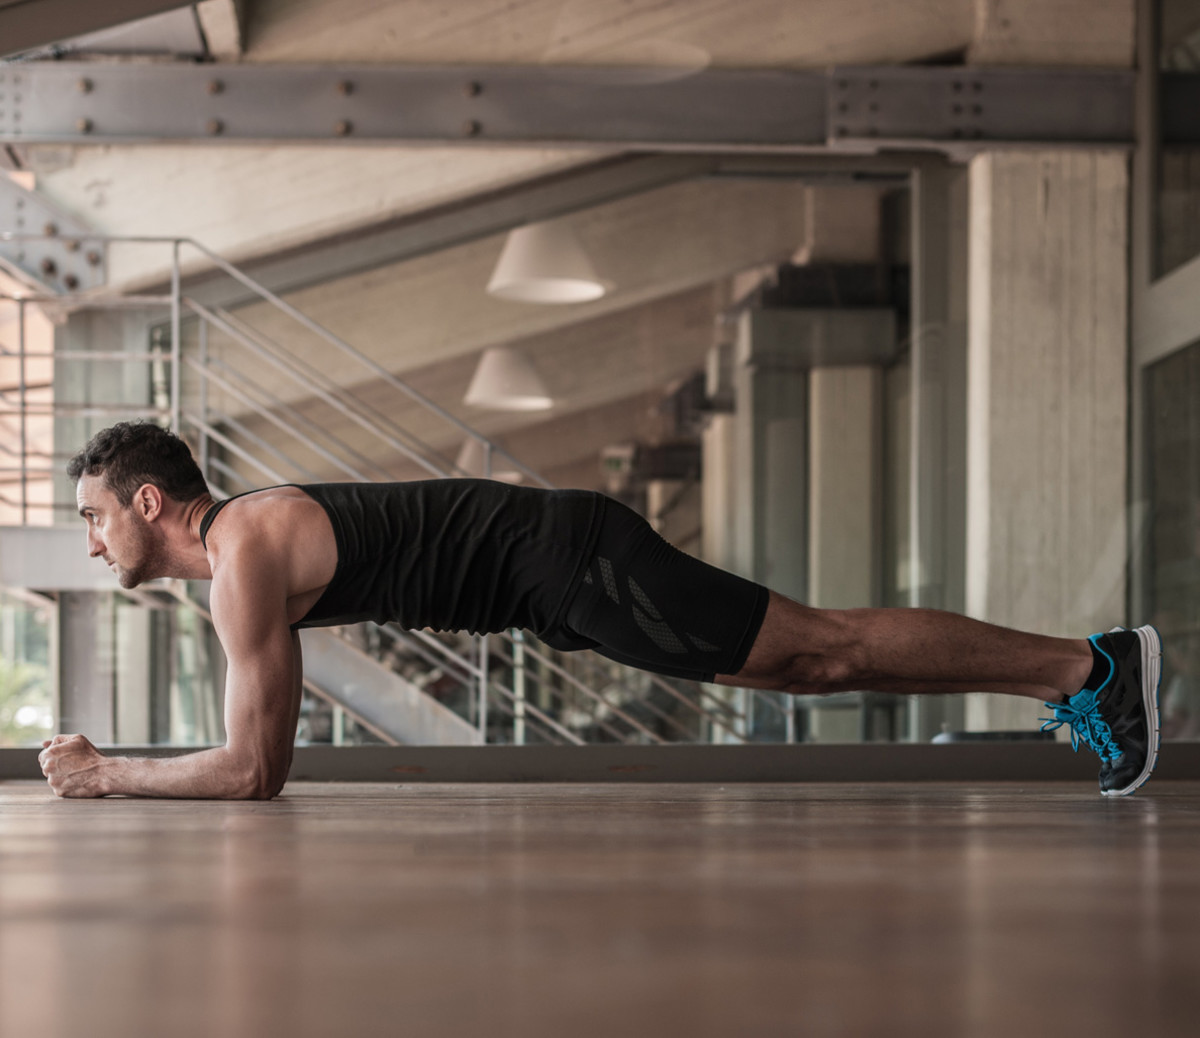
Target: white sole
{"type": "Point", "coordinates": [1151, 677]}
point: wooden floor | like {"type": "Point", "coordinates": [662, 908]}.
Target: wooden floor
{"type": "Point", "coordinates": [604, 910]}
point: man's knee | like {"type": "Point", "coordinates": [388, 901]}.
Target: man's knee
{"type": "Point", "coordinates": [817, 675]}
{"type": "Point", "coordinates": [807, 651]}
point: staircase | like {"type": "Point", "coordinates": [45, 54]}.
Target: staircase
{"type": "Point", "coordinates": [260, 414]}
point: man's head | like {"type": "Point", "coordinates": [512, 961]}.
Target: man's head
{"type": "Point", "coordinates": [129, 455]}
{"type": "Point", "coordinates": [125, 479]}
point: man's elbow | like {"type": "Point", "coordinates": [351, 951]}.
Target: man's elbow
{"type": "Point", "coordinates": [261, 791]}
{"type": "Point", "coordinates": [259, 781]}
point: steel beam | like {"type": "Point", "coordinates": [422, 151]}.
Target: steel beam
{"type": "Point", "coordinates": [61, 259]}
{"type": "Point", "coordinates": [993, 105]}
{"type": "Point", "coordinates": [716, 109]}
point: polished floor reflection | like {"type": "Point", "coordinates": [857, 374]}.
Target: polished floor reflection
{"type": "Point", "coordinates": [569, 910]}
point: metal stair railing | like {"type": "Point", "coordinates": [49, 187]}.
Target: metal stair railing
{"type": "Point", "coordinates": [226, 430]}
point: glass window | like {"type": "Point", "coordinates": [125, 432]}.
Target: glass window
{"type": "Point", "coordinates": [26, 684]}
{"type": "Point", "coordinates": [1174, 444]}
{"type": "Point", "coordinates": [1177, 202]}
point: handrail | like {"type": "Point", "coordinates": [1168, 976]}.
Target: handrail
{"type": "Point", "coordinates": [407, 637]}
{"type": "Point", "coordinates": [229, 445]}
{"type": "Point", "coordinates": [574, 682]}
{"type": "Point", "coordinates": [245, 398]}
{"type": "Point", "coordinates": [225, 326]}
{"type": "Point", "coordinates": [276, 408]}
{"type": "Point", "coordinates": [653, 679]}
{"type": "Point", "coordinates": [376, 369]}
{"type": "Point", "coordinates": [296, 367]}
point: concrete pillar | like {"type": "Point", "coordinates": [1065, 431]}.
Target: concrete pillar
{"type": "Point", "coordinates": [770, 463]}
{"type": "Point", "coordinates": [1047, 399]}
{"type": "Point", "coordinates": [756, 495]}
{"type": "Point", "coordinates": [86, 668]}
{"type": "Point", "coordinates": [846, 487]}
{"type": "Point", "coordinates": [934, 497]}
{"type": "Point", "coordinates": [800, 453]}
{"type": "Point", "coordinates": [718, 502]}
{"type": "Point", "coordinates": [135, 674]}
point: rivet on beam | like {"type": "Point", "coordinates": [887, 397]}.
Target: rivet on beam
{"type": "Point", "coordinates": [83, 125]}
{"type": "Point", "coordinates": [71, 281]}
{"type": "Point", "coordinates": [473, 89]}
{"type": "Point", "coordinates": [50, 230]}
{"type": "Point", "coordinates": [344, 88]}
{"type": "Point", "coordinates": [215, 86]}
{"type": "Point", "coordinates": [85, 86]}
{"type": "Point", "coordinates": [49, 268]}
{"type": "Point", "coordinates": [343, 127]}
{"type": "Point", "coordinates": [214, 127]}
{"type": "Point", "coordinates": [471, 128]}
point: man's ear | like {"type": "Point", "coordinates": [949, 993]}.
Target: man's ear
{"type": "Point", "coordinates": [148, 502]}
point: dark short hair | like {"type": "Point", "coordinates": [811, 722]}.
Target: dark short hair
{"type": "Point", "coordinates": [129, 455]}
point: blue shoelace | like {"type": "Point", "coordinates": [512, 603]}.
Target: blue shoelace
{"type": "Point", "coordinates": [1083, 715]}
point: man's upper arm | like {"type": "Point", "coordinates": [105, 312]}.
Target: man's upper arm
{"type": "Point", "coordinates": [249, 611]}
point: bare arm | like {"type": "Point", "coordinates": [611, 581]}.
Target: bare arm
{"type": "Point", "coordinates": [262, 694]}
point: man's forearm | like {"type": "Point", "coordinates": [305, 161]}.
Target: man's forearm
{"type": "Point", "coordinates": [208, 774]}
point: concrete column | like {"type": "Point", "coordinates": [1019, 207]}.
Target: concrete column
{"type": "Point", "coordinates": [935, 495]}
{"type": "Point", "coordinates": [135, 674]}
{"type": "Point", "coordinates": [86, 665]}
{"type": "Point", "coordinates": [1047, 399]}
{"type": "Point", "coordinates": [718, 501]}
{"type": "Point", "coordinates": [846, 487]}
{"type": "Point", "coordinates": [756, 496]}
{"type": "Point", "coordinates": [770, 473]}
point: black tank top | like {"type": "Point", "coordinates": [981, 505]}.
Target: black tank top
{"type": "Point", "coordinates": [451, 554]}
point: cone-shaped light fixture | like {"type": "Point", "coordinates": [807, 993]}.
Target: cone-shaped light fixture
{"type": "Point", "coordinates": [505, 380]}
{"type": "Point", "coordinates": [544, 263]}
{"type": "Point", "coordinates": [470, 463]}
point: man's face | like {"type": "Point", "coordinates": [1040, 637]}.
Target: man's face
{"type": "Point", "coordinates": [120, 536]}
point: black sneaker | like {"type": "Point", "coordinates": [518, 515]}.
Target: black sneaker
{"type": "Point", "coordinates": [1119, 720]}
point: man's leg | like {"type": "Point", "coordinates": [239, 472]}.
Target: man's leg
{"type": "Point", "coordinates": [1105, 688]}
{"type": "Point", "coordinates": [816, 651]}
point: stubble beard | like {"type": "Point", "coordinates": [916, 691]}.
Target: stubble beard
{"type": "Point", "coordinates": [150, 559]}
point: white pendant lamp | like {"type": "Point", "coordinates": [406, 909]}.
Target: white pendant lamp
{"type": "Point", "coordinates": [470, 463]}
{"type": "Point", "coordinates": [545, 263]}
{"type": "Point", "coordinates": [505, 380]}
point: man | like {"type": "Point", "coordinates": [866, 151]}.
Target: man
{"type": "Point", "coordinates": [579, 569]}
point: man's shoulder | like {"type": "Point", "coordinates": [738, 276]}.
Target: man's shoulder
{"type": "Point", "coordinates": [267, 520]}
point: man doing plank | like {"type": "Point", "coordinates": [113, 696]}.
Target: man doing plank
{"type": "Point", "coordinates": [578, 569]}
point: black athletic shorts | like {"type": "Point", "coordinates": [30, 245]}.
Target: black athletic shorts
{"type": "Point", "coordinates": [645, 603]}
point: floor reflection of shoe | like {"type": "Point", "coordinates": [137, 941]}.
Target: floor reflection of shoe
{"type": "Point", "coordinates": [1119, 720]}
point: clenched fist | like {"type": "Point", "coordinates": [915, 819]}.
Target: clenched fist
{"type": "Point", "coordinates": [73, 766]}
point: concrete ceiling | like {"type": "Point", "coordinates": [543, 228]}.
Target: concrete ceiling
{"type": "Point", "coordinates": [673, 252]}
{"type": "Point", "coordinates": [28, 24]}
{"type": "Point", "coordinates": [672, 255]}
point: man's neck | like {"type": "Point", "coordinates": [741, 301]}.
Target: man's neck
{"type": "Point", "coordinates": [188, 558]}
